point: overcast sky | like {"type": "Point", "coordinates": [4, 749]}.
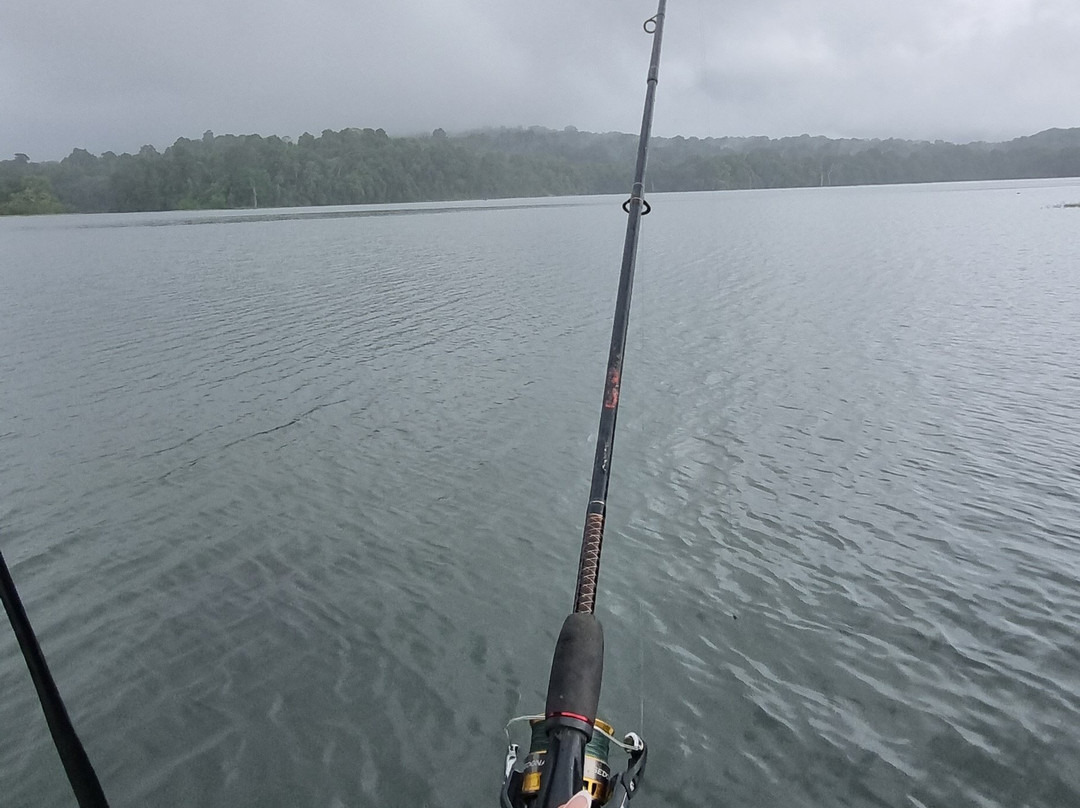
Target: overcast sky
{"type": "Point", "coordinates": [115, 74]}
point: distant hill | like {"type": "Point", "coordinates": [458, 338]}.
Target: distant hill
{"type": "Point", "coordinates": [355, 166]}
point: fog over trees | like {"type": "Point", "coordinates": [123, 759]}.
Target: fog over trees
{"type": "Point", "coordinates": [357, 166]}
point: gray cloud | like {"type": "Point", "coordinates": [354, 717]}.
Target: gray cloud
{"type": "Point", "coordinates": [118, 73]}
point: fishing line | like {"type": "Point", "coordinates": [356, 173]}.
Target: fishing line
{"type": "Point", "coordinates": [643, 286]}
{"type": "Point", "coordinates": [641, 667]}
{"type": "Point", "coordinates": [643, 319]}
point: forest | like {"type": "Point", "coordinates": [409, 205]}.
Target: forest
{"type": "Point", "coordinates": [358, 166]}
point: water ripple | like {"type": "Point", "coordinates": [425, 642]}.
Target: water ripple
{"type": "Point", "coordinates": [294, 504]}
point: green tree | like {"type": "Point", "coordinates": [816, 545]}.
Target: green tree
{"type": "Point", "coordinates": [34, 197]}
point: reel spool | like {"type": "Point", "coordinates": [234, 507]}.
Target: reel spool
{"type": "Point", "coordinates": [597, 773]}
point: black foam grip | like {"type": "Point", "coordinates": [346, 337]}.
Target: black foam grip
{"type": "Point", "coordinates": [577, 668]}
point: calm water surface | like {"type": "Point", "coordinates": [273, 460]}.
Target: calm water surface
{"type": "Point", "coordinates": [294, 500]}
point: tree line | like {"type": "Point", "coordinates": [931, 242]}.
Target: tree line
{"type": "Point", "coordinates": [357, 166]}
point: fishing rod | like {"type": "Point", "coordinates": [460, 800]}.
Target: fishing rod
{"type": "Point", "coordinates": [80, 772]}
{"type": "Point", "coordinates": [569, 745]}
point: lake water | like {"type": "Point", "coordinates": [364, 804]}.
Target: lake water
{"type": "Point", "coordinates": [294, 499]}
